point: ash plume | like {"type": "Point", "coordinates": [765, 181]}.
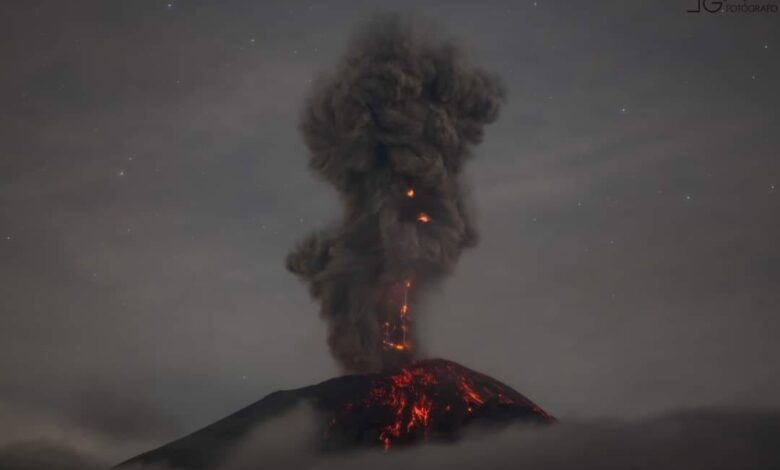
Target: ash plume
{"type": "Point", "coordinates": [391, 129]}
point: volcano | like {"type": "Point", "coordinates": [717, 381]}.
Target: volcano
{"type": "Point", "coordinates": [391, 129]}
{"type": "Point", "coordinates": [428, 400]}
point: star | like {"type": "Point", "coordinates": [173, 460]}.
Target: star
{"type": "Point", "coordinates": [252, 40]}
{"type": "Point", "coordinates": [121, 173]}
{"type": "Point", "coordinates": [623, 110]}
{"type": "Point", "coordinates": [687, 197]}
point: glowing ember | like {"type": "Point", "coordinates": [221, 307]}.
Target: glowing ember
{"type": "Point", "coordinates": [427, 399]}
{"type": "Point", "coordinates": [410, 193]}
{"type": "Point", "coordinates": [423, 218]}
{"type": "Point", "coordinates": [395, 329]}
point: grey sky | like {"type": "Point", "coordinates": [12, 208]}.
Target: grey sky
{"type": "Point", "coordinates": [152, 179]}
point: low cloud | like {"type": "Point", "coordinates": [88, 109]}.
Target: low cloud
{"type": "Point", "coordinates": [45, 455]}
{"type": "Point", "coordinates": [690, 440]}
{"type": "Point", "coordinates": [703, 439]}
{"type": "Point", "coordinates": [284, 442]}
{"type": "Point", "coordinates": [35, 439]}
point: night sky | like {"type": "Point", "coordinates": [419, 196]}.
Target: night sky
{"type": "Point", "coordinates": [153, 178]}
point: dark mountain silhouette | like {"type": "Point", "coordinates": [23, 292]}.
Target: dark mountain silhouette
{"type": "Point", "coordinates": [432, 399]}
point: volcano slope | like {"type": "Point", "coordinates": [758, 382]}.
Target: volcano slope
{"type": "Point", "coordinates": [428, 400]}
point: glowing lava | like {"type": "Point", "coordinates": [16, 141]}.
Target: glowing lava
{"type": "Point", "coordinates": [430, 398]}
{"type": "Point", "coordinates": [396, 328]}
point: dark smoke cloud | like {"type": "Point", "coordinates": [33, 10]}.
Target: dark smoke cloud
{"type": "Point", "coordinates": [401, 111]}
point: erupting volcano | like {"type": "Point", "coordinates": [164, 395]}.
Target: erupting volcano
{"type": "Point", "coordinates": [428, 400]}
{"type": "Point", "coordinates": [391, 130]}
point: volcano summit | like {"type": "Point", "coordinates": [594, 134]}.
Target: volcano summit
{"type": "Point", "coordinates": [428, 400]}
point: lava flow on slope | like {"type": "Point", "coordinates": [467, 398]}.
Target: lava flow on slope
{"type": "Point", "coordinates": [429, 399]}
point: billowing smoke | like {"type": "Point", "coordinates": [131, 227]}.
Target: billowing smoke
{"type": "Point", "coordinates": [391, 130]}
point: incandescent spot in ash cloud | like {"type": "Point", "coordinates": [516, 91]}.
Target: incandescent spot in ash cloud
{"type": "Point", "coordinates": [391, 129]}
